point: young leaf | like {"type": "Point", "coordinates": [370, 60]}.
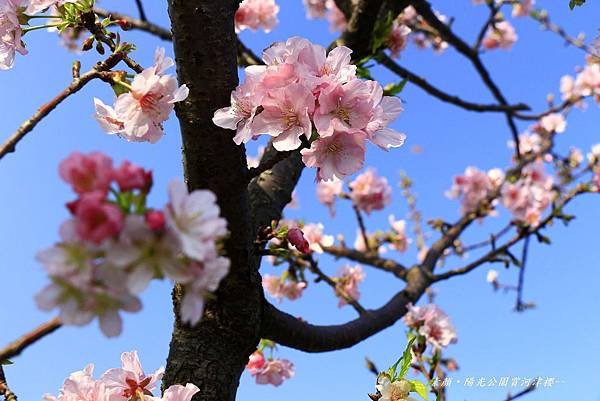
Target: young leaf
{"type": "Point", "coordinates": [394, 89]}
{"type": "Point", "coordinates": [406, 358]}
{"type": "Point", "coordinates": [419, 388]}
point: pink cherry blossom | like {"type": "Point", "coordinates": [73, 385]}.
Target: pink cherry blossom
{"type": "Point", "coordinates": [10, 32]}
{"type": "Point", "coordinates": [80, 386]}
{"type": "Point", "coordinates": [530, 143]}
{"type": "Point", "coordinates": [130, 381]}
{"type": "Point", "coordinates": [523, 8]}
{"type": "Point", "coordinates": [398, 38]}
{"type": "Point", "coordinates": [315, 237]}
{"type": "Point", "coordinates": [430, 321]}
{"type": "Point", "coordinates": [178, 392]}
{"type": "Point", "coordinates": [138, 114]}
{"type": "Point", "coordinates": [194, 218]}
{"type": "Point", "coordinates": [378, 131]}
{"type": "Point", "coordinates": [529, 196]}
{"type": "Point", "coordinates": [554, 122]}
{"type": "Point", "coordinates": [91, 172]}
{"type": "Point", "coordinates": [279, 289]}
{"type": "Point", "coordinates": [239, 116]}
{"type": "Point", "coordinates": [370, 192]}
{"type": "Point", "coordinates": [348, 106]}
{"type": "Point", "coordinates": [500, 35]}
{"type": "Point", "coordinates": [473, 188]}
{"type": "Point", "coordinates": [95, 219]}
{"type": "Point", "coordinates": [274, 372]}
{"type": "Point", "coordinates": [347, 283]}
{"type": "Point", "coordinates": [36, 6]}
{"type": "Point", "coordinates": [285, 116]}
{"type": "Point", "coordinates": [205, 278]}
{"type": "Point", "coordinates": [336, 156]}
{"type": "Point", "coordinates": [315, 8]}
{"type": "Point", "coordinates": [255, 14]}
{"type": "Point", "coordinates": [327, 192]}
{"type": "Point", "coordinates": [336, 18]}
{"type": "Point", "coordinates": [131, 177]}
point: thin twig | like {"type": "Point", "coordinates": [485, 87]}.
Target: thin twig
{"type": "Point", "coordinates": [16, 347]}
{"type": "Point", "coordinates": [140, 8]}
{"type": "Point", "coordinates": [362, 227]}
{"type": "Point", "coordinates": [391, 65]}
{"type": "Point", "coordinates": [528, 390]}
{"type": "Point", "coordinates": [76, 85]}
{"type": "Point", "coordinates": [545, 21]}
{"type": "Point", "coordinates": [520, 305]}
{"type": "Point", "coordinates": [142, 25]}
{"type": "Point", "coordinates": [387, 265]}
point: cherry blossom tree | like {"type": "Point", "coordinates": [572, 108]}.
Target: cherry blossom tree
{"type": "Point", "coordinates": [320, 108]}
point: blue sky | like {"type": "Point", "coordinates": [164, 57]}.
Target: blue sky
{"type": "Point", "coordinates": [557, 339]}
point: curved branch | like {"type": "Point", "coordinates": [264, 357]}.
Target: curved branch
{"type": "Point", "coordinates": [140, 24]}
{"type": "Point", "coordinates": [370, 259]}
{"type": "Point", "coordinates": [391, 65]}
{"type": "Point", "coordinates": [76, 85]}
{"type": "Point", "coordinates": [16, 347]}
{"type": "Point", "coordinates": [292, 332]}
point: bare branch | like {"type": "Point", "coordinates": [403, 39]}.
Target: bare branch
{"type": "Point", "coordinates": [140, 24]}
{"type": "Point", "coordinates": [391, 65]}
{"type": "Point", "coordinates": [16, 347]}
{"type": "Point", "coordinates": [370, 259]}
{"type": "Point", "coordinates": [140, 8]}
{"type": "Point", "coordinates": [76, 85]}
{"type": "Point", "coordinates": [521, 394]}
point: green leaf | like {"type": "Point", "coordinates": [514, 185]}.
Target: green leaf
{"type": "Point", "coordinates": [381, 32]}
{"type": "Point", "coordinates": [394, 89]}
{"type": "Point", "coordinates": [406, 358]}
{"type": "Point", "coordinates": [6, 362]}
{"type": "Point", "coordinates": [419, 388]}
{"type": "Point", "coordinates": [576, 3]}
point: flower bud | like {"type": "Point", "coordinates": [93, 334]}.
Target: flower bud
{"type": "Point", "coordinates": [124, 24]}
{"type": "Point", "coordinates": [155, 219]}
{"type": "Point", "coordinates": [296, 238]}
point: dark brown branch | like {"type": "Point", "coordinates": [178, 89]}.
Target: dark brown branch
{"type": "Point", "coordinates": [141, 11]}
{"type": "Point", "coordinates": [140, 24]}
{"type": "Point", "coordinates": [370, 259]}
{"type": "Point", "coordinates": [521, 394]}
{"type": "Point", "coordinates": [5, 391]}
{"type": "Point", "coordinates": [290, 331]}
{"type": "Point", "coordinates": [390, 64]}
{"type": "Point", "coordinates": [359, 30]}
{"type": "Point", "coordinates": [16, 347]}
{"type": "Point", "coordinates": [76, 85]}
{"type": "Point", "coordinates": [520, 305]}
{"type": "Point", "coordinates": [246, 56]}
{"type": "Point", "coordinates": [424, 9]}
{"type": "Point", "coordinates": [362, 228]}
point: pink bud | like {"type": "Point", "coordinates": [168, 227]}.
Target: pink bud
{"type": "Point", "coordinates": [257, 362]}
{"type": "Point", "coordinates": [96, 219]}
{"type": "Point", "coordinates": [155, 219]}
{"type": "Point", "coordinates": [296, 238]}
{"type": "Point", "coordinates": [131, 177]}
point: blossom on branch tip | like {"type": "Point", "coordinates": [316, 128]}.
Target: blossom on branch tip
{"type": "Point", "coordinates": [432, 323]}
{"type": "Point", "coordinates": [130, 381]}
{"type": "Point", "coordinates": [280, 288]}
{"type": "Point", "coordinates": [255, 14]}
{"type": "Point", "coordinates": [269, 371]}
{"type": "Point", "coordinates": [370, 191]}
{"type": "Point", "coordinates": [347, 283]}
{"type": "Point", "coordinates": [500, 35]}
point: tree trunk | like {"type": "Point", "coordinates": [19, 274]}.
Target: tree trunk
{"type": "Point", "coordinates": [213, 354]}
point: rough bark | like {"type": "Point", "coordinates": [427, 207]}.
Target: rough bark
{"type": "Point", "coordinates": [213, 354]}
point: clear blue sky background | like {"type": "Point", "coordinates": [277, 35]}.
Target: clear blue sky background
{"type": "Point", "coordinates": [557, 339]}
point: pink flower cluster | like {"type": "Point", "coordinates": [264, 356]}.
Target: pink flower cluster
{"type": "Point", "coordinates": [139, 113]}
{"type": "Point", "coordinates": [301, 87]}
{"type": "Point", "coordinates": [586, 83]}
{"type": "Point", "coordinates": [500, 35]}
{"type": "Point", "coordinates": [326, 9]}
{"type": "Point", "coordinates": [432, 323]}
{"type": "Point", "coordinates": [283, 287]}
{"type": "Point", "coordinates": [269, 371]}
{"type": "Point", "coordinates": [120, 384]}
{"type": "Point", "coordinates": [370, 192]}
{"type": "Point", "coordinates": [530, 195]}
{"type": "Point", "coordinates": [255, 14]}
{"type": "Point", "coordinates": [347, 283]}
{"type": "Point", "coordinates": [474, 186]}
{"type": "Point", "coordinates": [113, 245]}
{"type": "Point", "coordinates": [409, 24]}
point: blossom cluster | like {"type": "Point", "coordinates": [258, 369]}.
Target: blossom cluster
{"type": "Point", "coordinates": [500, 34]}
{"type": "Point", "coordinates": [129, 382]}
{"type": "Point", "coordinates": [432, 323]}
{"type": "Point", "coordinates": [144, 104]}
{"type": "Point", "coordinates": [474, 187]}
{"type": "Point", "coordinates": [370, 192]}
{"type": "Point", "coordinates": [586, 83]}
{"type": "Point", "coordinates": [113, 245]}
{"type": "Point", "coordinates": [283, 287]}
{"type": "Point", "coordinates": [269, 370]}
{"type": "Point", "coordinates": [409, 25]}
{"type": "Point", "coordinates": [306, 97]}
{"type": "Point", "coordinates": [347, 283]}
{"type": "Point", "coordinates": [255, 14]}
{"type": "Point", "coordinates": [326, 9]}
